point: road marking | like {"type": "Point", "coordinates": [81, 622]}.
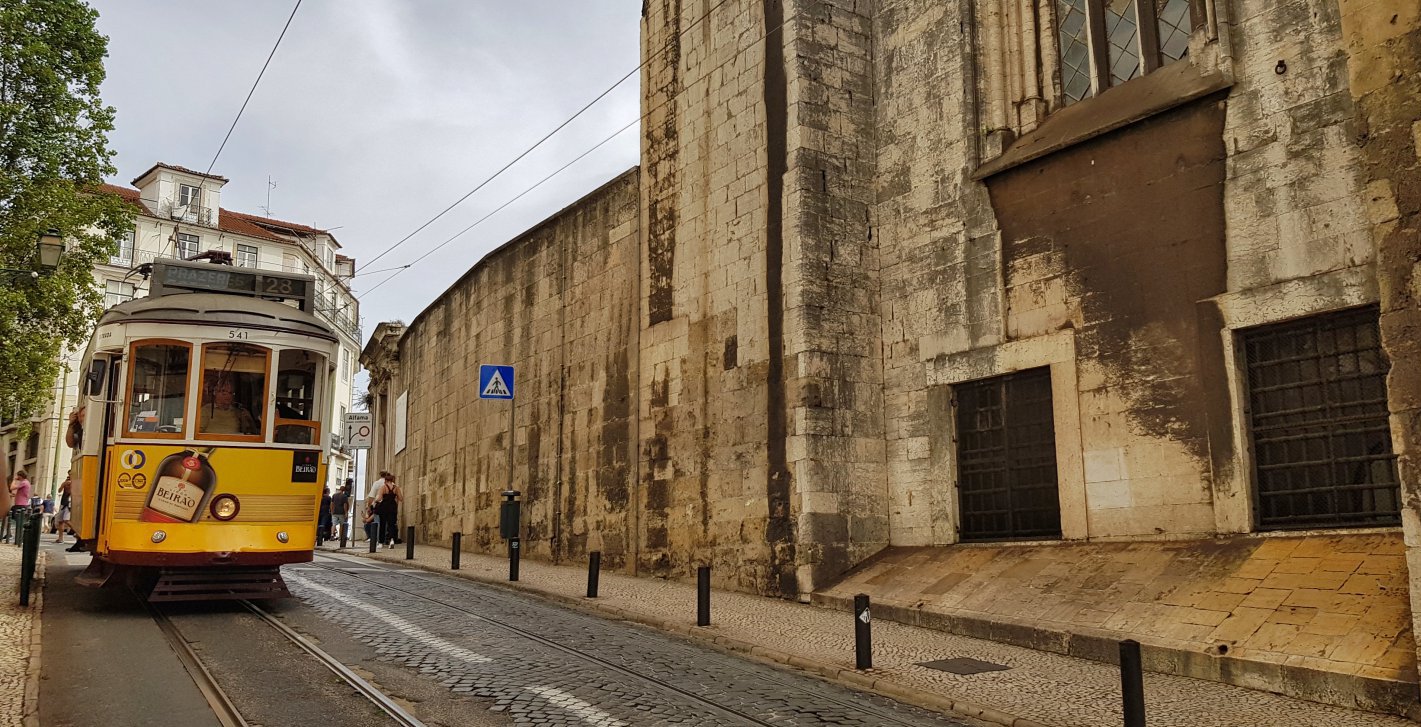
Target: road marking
{"type": "Point", "coordinates": [397, 623]}
{"type": "Point", "coordinates": [77, 559]}
{"type": "Point", "coordinates": [589, 714]}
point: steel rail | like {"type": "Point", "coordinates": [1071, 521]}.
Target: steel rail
{"type": "Point", "coordinates": [379, 698]}
{"type": "Point", "coordinates": [222, 706]}
{"type": "Point", "coordinates": [893, 719]}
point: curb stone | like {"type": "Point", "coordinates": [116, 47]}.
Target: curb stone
{"type": "Point", "coordinates": [703, 635]}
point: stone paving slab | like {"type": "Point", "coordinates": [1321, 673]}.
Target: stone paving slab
{"type": "Point", "coordinates": [1039, 688]}
{"type": "Point", "coordinates": [19, 667]}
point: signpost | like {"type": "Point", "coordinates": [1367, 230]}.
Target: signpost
{"type": "Point", "coordinates": [359, 434]}
{"type": "Point", "coordinates": [496, 382]}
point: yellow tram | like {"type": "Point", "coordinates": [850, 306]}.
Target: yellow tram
{"type": "Point", "coordinates": [200, 451]}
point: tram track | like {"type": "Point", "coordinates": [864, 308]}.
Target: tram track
{"type": "Point", "coordinates": [222, 706]}
{"type": "Point", "coordinates": [884, 718]}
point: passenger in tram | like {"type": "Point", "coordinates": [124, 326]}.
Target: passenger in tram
{"type": "Point", "coordinates": [223, 415]}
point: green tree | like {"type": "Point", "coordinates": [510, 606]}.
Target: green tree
{"type": "Point", "coordinates": [54, 153]}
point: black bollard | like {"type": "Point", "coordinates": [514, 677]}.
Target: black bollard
{"type": "Point", "coordinates": [375, 540]}
{"type": "Point", "coordinates": [594, 567]}
{"type": "Point", "coordinates": [344, 533]}
{"type": "Point", "coordinates": [703, 596]}
{"type": "Point", "coordinates": [863, 635]}
{"type": "Point", "coordinates": [409, 543]}
{"type": "Point", "coordinates": [454, 552]}
{"type": "Point", "coordinates": [513, 559]}
{"type": "Point", "coordinates": [1132, 683]}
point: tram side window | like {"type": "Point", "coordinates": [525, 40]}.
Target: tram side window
{"type": "Point", "coordinates": [296, 414]}
{"type": "Point", "coordinates": [158, 397]}
{"type": "Point", "coordinates": [233, 390]}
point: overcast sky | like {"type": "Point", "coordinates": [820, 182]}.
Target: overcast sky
{"type": "Point", "coordinates": [377, 114]}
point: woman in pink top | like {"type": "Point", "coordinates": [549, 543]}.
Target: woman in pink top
{"type": "Point", "coordinates": [20, 488]}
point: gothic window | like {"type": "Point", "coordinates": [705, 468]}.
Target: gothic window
{"type": "Point", "coordinates": [1104, 43]}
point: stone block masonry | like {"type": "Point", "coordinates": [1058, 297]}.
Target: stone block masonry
{"type": "Point", "coordinates": [751, 352]}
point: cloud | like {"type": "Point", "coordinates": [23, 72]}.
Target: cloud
{"type": "Point", "coordinates": [375, 115]}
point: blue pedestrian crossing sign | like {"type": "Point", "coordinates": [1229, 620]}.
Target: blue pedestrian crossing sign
{"type": "Point", "coordinates": [495, 382]}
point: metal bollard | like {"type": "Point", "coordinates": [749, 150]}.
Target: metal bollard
{"type": "Point", "coordinates": [594, 568]}
{"type": "Point", "coordinates": [863, 635]}
{"type": "Point", "coordinates": [409, 542]}
{"type": "Point", "coordinates": [513, 559]}
{"type": "Point", "coordinates": [454, 551]}
{"type": "Point", "coordinates": [374, 539]}
{"type": "Point", "coordinates": [703, 596]}
{"type": "Point", "coordinates": [1132, 683]}
{"type": "Point", "coordinates": [344, 533]}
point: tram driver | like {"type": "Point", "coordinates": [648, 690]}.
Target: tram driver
{"type": "Point", "coordinates": [221, 414]}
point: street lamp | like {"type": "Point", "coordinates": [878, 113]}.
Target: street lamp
{"type": "Point", "coordinates": [49, 246]}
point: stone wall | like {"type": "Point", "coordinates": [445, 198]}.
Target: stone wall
{"type": "Point", "coordinates": [747, 357]}
{"type": "Point", "coordinates": [762, 413]}
{"type": "Point", "coordinates": [559, 304]}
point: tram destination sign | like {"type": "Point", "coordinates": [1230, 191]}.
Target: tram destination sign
{"type": "Point", "coordinates": [178, 276]}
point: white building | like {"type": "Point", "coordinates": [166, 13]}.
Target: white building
{"type": "Point", "coordinates": [180, 214]}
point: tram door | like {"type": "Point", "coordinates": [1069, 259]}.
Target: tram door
{"type": "Point", "coordinates": [99, 401]}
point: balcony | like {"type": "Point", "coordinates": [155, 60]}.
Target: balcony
{"type": "Point", "coordinates": [191, 213]}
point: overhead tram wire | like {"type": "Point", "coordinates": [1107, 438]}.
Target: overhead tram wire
{"type": "Point", "coordinates": [643, 117]}
{"type": "Point", "coordinates": [499, 208]}
{"type": "Point", "coordinates": [253, 90]}
{"type": "Point", "coordinates": [549, 135]}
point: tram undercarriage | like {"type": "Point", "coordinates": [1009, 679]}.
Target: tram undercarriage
{"type": "Point", "coordinates": [205, 583]}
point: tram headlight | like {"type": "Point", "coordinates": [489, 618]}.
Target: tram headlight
{"type": "Point", "coordinates": [159, 536]}
{"type": "Point", "coordinates": [282, 537]}
{"type": "Point", "coordinates": [225, 507]}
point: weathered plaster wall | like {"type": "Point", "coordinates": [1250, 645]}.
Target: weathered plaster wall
{"type": "Point", "coordinates": [1086, 234]}
{"type": "Point", "coordinates": [558, 303]}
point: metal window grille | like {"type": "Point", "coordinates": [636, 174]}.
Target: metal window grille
{"type": "Point", "coordinates": [1006, 458]}
{"type": "Point", "coordinates": [1318, 413]}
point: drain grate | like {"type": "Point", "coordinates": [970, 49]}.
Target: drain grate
{"type": "Point", "coordinates": [964, 665]}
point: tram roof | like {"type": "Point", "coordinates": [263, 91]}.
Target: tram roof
{"type": "Point", "coordinates": [216, 309]}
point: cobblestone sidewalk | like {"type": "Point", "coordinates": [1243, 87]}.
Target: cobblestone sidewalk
{"type": "Point", "coordinates": [1038, 689]}
{"type": "Point", "coordinates": [19, 693]}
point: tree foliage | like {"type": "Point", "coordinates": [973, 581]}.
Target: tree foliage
{"type": "Point", "coordinates": [54, 153]}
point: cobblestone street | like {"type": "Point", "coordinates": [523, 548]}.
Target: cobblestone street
{"type": "Point", "coordinates": [1039, 688]}
{"type": "Point", "coordinates": [545, 665]}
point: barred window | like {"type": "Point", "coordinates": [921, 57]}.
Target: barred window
{"type": "Point", "coordinates": [1318, 417]}
{"type": "Point", "coordinates": [1104, 43]}
{"type": "Point", "coordinates": [1006, 458]}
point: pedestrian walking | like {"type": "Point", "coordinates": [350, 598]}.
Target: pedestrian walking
{"type": "Point", "coordinates": [387, 506]}
{"type": "Point", "coordinates": [323, 517]}
{"type": "Point", "coordinates": [47, 507]}
{"type": "Point", "coordinates": [61, 518]}
{"type": "Point", "coordinates": [340, 504]}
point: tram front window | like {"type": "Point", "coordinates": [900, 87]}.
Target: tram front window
{"type": "Point", "coordinates": [233, 390]}
{"type": "Point", "coordinates": [296, 377]}
{"type": "Point", "coordinates": [158, 391]}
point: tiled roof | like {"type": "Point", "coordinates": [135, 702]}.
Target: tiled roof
{"type": "Point", "coordinates": [229, 221]}
{"type": "Point", "coordinates": [129, 195]}
{"type": "Point", "coordinates": [292, 228]}
{"type": "Point", "coordinates": [177, 168]}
